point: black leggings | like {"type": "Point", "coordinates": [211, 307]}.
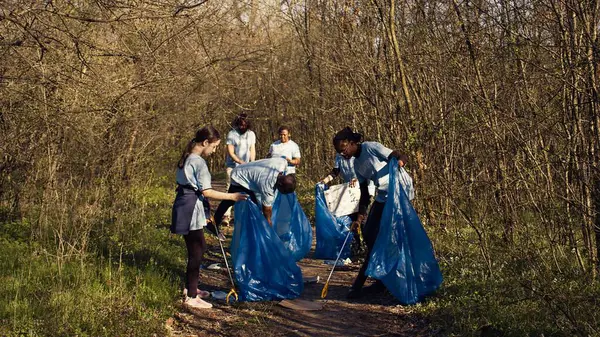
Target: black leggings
{"type": "Point", "coordinates": [370, 231]}
{"type": "Point", "coordinates": [196, 246]}
{"type": "Point", "coordinates": [225, 204]}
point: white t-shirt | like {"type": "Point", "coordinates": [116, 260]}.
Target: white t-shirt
{"type": "Point", "coordinates": [195, 174]}
{"type": "Point", "coordinates": [260, 177]}
{"type": "Point", "coordinates": [288, 150]}
{"type": "Point", "coordinates": [241, 144]}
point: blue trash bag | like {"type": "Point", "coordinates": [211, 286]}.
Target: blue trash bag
{"type": "Point", "coordinates": [331, 230]}
{"type": "Point", "coordinates": [292, 225]}
{"type": "Point", "coordinates": [263, 267]}
{"type": "Point", "coordinates": [403, 257]}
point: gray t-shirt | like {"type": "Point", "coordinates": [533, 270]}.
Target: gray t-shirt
{"type": "Point", "coordinates": [241, 144]}
{"type": "Point", "coordinates": [196, 175]}
{"type": "Point", "coordinates": [260, 177]}
{"type": "Point", "coordinates": [346, 167]}
{"type": "Point", "coordinates": [372, 165]}
{"type": "Point", "coordinates": [288, 150]}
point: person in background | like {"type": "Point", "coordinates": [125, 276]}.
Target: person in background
{"type": "Point", "coordinates": [343, 167]}
{"type": "Point", "coordinates": [241, 148]}
{"type": "Point", "coordinates": [188, 216]}
{"type": "Point", "coordinates": [285, 148]}
{"type": "Point", "coordinates": [370, 164]}
{"type": "Point", "coordinates": [259, 179]}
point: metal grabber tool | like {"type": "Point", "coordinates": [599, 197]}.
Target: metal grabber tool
{"type": "Point", "coordinates": [232, 292]}
{"type": "Point", "coordinates": [326, 287]}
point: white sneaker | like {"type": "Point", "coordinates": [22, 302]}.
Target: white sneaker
{"type": "Point", "coordinates": [196, 303]}
{"type": "Point", "coordinates": [201, 293]}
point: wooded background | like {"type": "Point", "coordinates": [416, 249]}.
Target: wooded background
{"type": "Point", "coordinates": [496, 103]}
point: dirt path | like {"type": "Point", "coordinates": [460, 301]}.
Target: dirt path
{"type": "Point", "coordinates": [374, 316]}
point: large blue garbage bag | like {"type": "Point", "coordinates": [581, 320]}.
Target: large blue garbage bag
{"type": "Point", "coordinates": [403, 256]}
{"type": "Point", "coordinates": [331, 230]}
{"type": "Point", "coordinates": [292, 225]}
{"type": "Point", "coordinates": [264, 269]}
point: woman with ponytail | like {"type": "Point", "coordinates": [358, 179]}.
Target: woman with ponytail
{"type": "Point", "coordinates": [188, 216]}
{"type": "Point", "coordinates": [370, 164]}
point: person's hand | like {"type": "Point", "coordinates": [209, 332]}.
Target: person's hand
{"type": "Point", "coordinates": [402, 160]}
{"type": "Point", "coordinates": [359, 220]}
{"type": "Point", "coordinates": [353, 182]}
{"type": "Point", "coordinates": [326, 180]}
{"type": "Point", "coordinates": [239, 196]}
{"type": "Point", "coordinates": [221, 237]}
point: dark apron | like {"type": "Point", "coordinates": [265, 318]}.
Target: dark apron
{"type": "Point", "coordinates": [183, 209]}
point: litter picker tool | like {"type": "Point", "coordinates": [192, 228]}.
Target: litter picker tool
{"type": "Point", "coordinates": [326, 286]}
{"type": "Point", "coordinates": [232, 292]}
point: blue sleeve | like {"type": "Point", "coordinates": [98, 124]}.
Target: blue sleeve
{"type": "Point", "coordinates": [379, 151]}
{"type": "Point", "coordinates": [203, 178]}
{"type": "Point", "coordinates": [268, 199]}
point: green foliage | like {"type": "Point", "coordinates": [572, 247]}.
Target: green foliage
{"type": "Point", "coordinates": [124, 285]}
{"type": "Point", "coordinates": [98, 101]}
{"type": "Point", "coordinates": [523, 295]}
{"type": "Point", "coordinates": [43, 295]}
{"type": "Point", "coordinates": [306, 196]}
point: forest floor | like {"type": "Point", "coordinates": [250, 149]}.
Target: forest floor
{"type": "Point", "coordinates": [373, 315]}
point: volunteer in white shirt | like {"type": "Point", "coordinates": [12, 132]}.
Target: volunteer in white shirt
{"type": "Point", "coordinates": [286, 148]}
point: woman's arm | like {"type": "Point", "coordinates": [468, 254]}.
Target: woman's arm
{"type": "Point", "coordinates": [363, 204]}
{"type": "Point", "coordinates": [402, 158]}
{"type": "Point", "coordinates": [334, 173]}
{"type": "Point", "coordinates": [231, 152]}
{"type": "Point", "coordinates": [293, 161]}
{"type": "Point", "coordinates": [267, 211]}
{"type": "Point", "coordinates": [213, 194]}
{"type": "Point", "coordinates": [252, 152]}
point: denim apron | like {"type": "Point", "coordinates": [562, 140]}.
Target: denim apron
{"type": "Point", "coordinates": [183, 209]}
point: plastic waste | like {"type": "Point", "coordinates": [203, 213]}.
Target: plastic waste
{"type": "Point", "coordinates": [214, 266]}
{"type": "Point", "coordinates": [340, 262]}
{"type": "Point", "coordinates": [219, 295]}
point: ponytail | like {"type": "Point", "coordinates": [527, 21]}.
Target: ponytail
{"type": "Point", "coordinates": [206, 133]}
{"type": "Point", "coordinates": [348, 135]}
{"type": "Point", "coordinates": [186, 152]}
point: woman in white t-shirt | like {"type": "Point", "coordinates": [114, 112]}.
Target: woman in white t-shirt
{"type": "Point", "coordinates": [241, 149]}
{"type": "Point", "coordinates": [285, 148]}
